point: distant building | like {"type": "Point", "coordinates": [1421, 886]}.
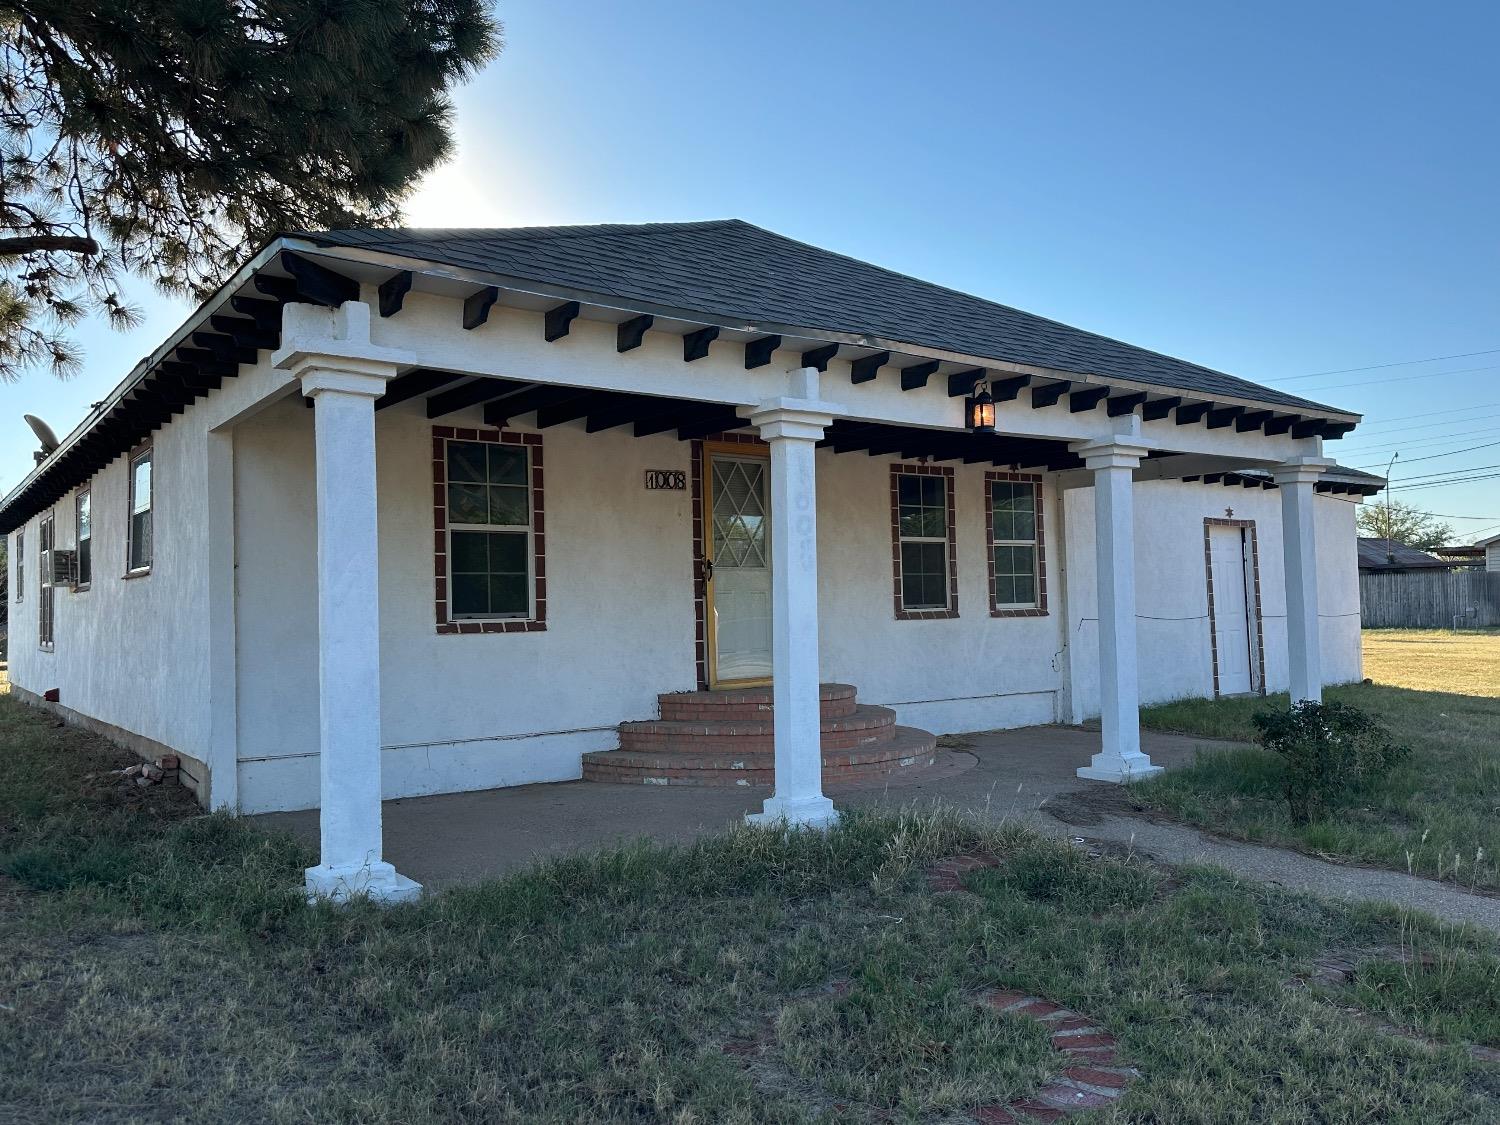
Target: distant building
{"type": "Point", "coordinates": [1388, 554]}
{"type": "Point", "coordinates": [1461, 556]}
{"type": "Point", "coordinates": [1491, 552]}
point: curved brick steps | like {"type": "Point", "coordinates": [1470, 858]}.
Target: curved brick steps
{"type": "Point", "coordinates": [726, 738]}
{"type": "Point", "coordinates": [906, 751]}
{"type": "Point", "coordinates": [836, 701]}
{"type": "Point", "coordinates": [866, 726]}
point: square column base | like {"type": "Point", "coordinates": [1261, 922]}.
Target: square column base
{"type": "Point", "coordinates": [1105, 767]}
{"type": "Point", "coordinates": [795, 812]}
{"type": "Point", "coordinates": [379, 882]}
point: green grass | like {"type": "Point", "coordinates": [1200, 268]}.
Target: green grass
{"type": "Point", "coordinates": [157, 965]}
{"type": "Point", "coordinates": [1437, 815]}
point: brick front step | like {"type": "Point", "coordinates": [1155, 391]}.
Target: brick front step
{"type": "Point", "coordinates": [867, 726]}
{"type": "Point", "coordinates": [907, 750]}
{"type": "Point", "coordinates": [836, 701]}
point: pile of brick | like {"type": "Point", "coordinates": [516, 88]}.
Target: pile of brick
{"type": "Point", "coordinates": [144, 774]}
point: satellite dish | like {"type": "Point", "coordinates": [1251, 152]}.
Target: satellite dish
{"type": "Point", "coordinates": [43, 433]}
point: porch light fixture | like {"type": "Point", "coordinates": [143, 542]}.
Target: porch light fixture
{"type": "Point", "coordinates": [981, 410]}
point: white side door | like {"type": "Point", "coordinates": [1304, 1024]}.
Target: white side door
{"type": "Point", "coordinates": [1231, 610]}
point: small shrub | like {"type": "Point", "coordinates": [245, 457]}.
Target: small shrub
{"type": "Point", "coordinates": [1329, 751]}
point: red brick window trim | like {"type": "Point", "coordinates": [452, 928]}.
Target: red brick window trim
{"type": "Point", "coordinates": [922, 544]}
{"type": "Point", "coordinates": [537, 620]}
{"type": "Point", "coordinates": [1208, 566]}
{"type": "Point", "coordinates": [1037, 543]}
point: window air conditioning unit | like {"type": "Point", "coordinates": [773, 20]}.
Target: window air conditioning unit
{"type": "Point", "coordinates": [64, 568]}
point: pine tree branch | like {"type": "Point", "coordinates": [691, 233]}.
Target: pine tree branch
{"type": "Point", "coordinates": [31, 243]}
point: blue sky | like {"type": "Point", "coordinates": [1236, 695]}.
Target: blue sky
{"type": "Point", "coordinates": [1269, 189]}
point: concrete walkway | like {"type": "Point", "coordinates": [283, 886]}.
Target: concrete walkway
{"type": "Point", "coordinates": [1026, 776]}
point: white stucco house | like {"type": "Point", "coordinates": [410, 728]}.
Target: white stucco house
{"type": "Point", "coordinates": [418, 511]}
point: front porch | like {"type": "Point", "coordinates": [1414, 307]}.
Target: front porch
{"type": "Point", "coordinates": [456, 838]}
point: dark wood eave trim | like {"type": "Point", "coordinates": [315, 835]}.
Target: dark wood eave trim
{"type": "Point", "coordinates": [793, 335]}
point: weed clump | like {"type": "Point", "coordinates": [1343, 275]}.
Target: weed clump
{"type": "Point", "coordinates": [1329, 751]}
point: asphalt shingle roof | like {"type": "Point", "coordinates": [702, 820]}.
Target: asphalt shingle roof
{"type": "Point", "coordinates": [734, 270]}
{"type": "Point", "coordinates": [1388, 554]}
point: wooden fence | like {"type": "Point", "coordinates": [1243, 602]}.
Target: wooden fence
{"type": "Point", "coordinates": [1428, 599]}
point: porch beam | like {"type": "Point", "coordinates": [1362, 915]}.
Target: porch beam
{"type": "Point", "coordinates": [1224, 416]}
{"type": "Point", "coordinates": [266, 314]}
{"type": "Point", "coordinates": [630, 333]}
{"type": "Point", "coordinates": [558, 320]}
{"type": "Point", "coordinates": [482, 389]}
{"type": "Point", "coordinates": [710, 424]}
{"type": "Point", "coordinates": [819, 358]}
{"type": "Point", "coordinates": [1278, 426]}
{"type": "Point", "coordinates": [962, 383]}
{"type": "Point", "coordinates": [695, 344]}
{"type": "Point", "coordinates": [501, 411]}
{"type": "Point", "coordinates": [1007, 390]}
{"type": "Point", "coordinates": [224, 348]}
{"type": "Point", "coordinates": [1119, 405]}
{"type": "Point", "coordinates": [413, 384]}
{"type": "Point", "coordinates": [477, 306]}
{"type": "Point", "coordinates": [246, 333]}
{"type": "Point", "coordinates": [1086, 399]}
{"type": "Point", "coordinates": [317, 283]}
{"type": "Point", "coordinates": [864, 369]}
{"type": "Point", "coordinates": [758, 352]}
{"type": "Point", "coordinates": [1251, 420]}
{"type": "Point", "coordinates": [281, 289]}
{"type": "Point", "coordinates": [1191, 412]}
{"type": "Point", "coordinates": [915, 377]}
{"type": "Point", "coordinates": [1157, 409]}
{"type": "Point", "coordinates": [1050, 395]}
{"type": "Point", "coordinates": [627, 409]}
{"type": "Point", "coordinates": [568, 410]}
{"type": "Point", "coordinates": [393, 291]}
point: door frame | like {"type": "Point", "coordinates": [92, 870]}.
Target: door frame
{"type": "Point", "coordinates": [1254, 621]}
{"type": "Point", "coordinates": [707, 450]}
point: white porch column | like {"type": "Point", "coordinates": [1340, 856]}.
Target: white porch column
{"type": "Point", "coordinates": [1112, 464]}
{"type": "Point", "coordinates": [344, 375]}
{"type": "Point", "coordinates": [792, 425]}
{"type": "Point", "coordinates": [1299, 546]}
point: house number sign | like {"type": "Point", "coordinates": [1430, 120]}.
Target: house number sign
{"type": "Point", "coordinates": [672, 479]}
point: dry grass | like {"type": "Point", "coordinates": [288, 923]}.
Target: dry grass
{"type": "Point", "coordinates": [1435, 815]}
{"type": "Point", "coordinates": [156, 965]}
{"type": "Point", "coordinates": [1463, 663]}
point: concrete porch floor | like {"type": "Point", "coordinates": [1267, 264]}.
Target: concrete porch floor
{"type": "Point", "coordinates": [457, 837]}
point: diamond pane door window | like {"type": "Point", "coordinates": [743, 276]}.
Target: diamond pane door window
{"type": "Point", "coordinates": [739, 588]}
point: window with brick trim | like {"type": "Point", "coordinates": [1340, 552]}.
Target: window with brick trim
{"type": "Point", "coordinates": [84, 538]}
{"type": "Point", "coordinates": [489, 537]}
{"type": "Point", "coordinates": [1016, 556]}
{"type": "Point", "coordinates": [139, 551]}
{"type": "Point", "coordinates": [46, 598]}
{"type": "Point", "coordinates": [923, 542]}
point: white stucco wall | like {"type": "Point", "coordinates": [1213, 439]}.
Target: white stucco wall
{"type": "Point", "coordinates": [1172, 627]}
{"type": "Point", "coordinates": [129, 652]}
{"type": "Point", "coordinates": [467, 712]}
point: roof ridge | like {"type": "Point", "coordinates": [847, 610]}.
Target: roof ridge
{"type": "Point", "coordinates": [561, 230]}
